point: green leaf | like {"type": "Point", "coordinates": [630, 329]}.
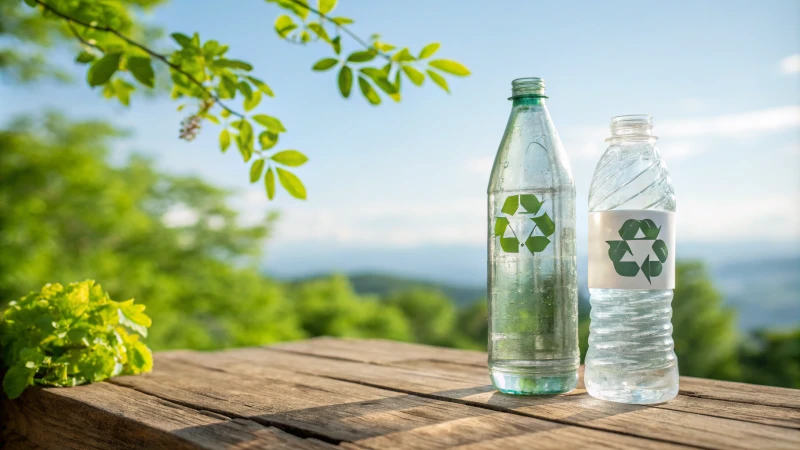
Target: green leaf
{"type": "Point", "coordinates": [291, 158]}
{"type": "Point", "coordinates": [414, 75]}
{"type": "Point", "coordinates": [626, 268]}
{"type": "Point", "coordinates": [368, 91]}
{"type": "Point", "coordinates": [362, 56]}
{"type": "Point", "coordinates": [269, 183]}
{"type": "Point", "coordinates": [182, 40]}
{"type": "Point", "coordinates": [284, 25]}
{"type": "Point", "coordinates": [253, 101]}
{"type": "Point", "coordinates": [84, 58]}
{"type": "Point", "coordinates": [403, 55]}
{"type": "Point", "coordinates": [271, 123]}
{"type": "Point", "coordinates": [452, 67]}
{"type": "Point", "coordinates": [305, 37]}
{"type": "Point", "coordinates": [224, 140]}
{"type": "Point", "coordinates": [342, 20]}
{"type": "Point", "coordinates": [345, 81]}
{"type": "Point", "coordinates": [102, 69]}
{"type": "Point", "coordinates": [500, 225]}
{"type": "Point", "coordinates": [537, 244]}
{"type": "Point", "coordinates": [244, 149]}
{"type": "Point", "coordinates": [256, 169]}
{"type": "Point", "coordinates": [263, 87]}
{"type": "Point", "coordinates": [142, 69]}
{"type": "Point", "coordinates": [617, 250]}
{"type": "Point", "coordinates": [530, 202]}
{"type": "Point", "coordinates": [245, 89]}
{"type": "Point", "coordinates": [429, 50]}
{"type": "Point", "coordinates": [629, 229]}
{"type": "Point", "coordinates": [438, 79]}
{"type": "Point", "coordinates": [140, 358]}
{"type": "Point", "coordinates": [319, 31]}
{"type": "Point", "coordinates": [326, 6]}
{"type": "Point", "coordinates": [545, 224]}
{"type": "Point", "coordinates": [267, 139]}
{"type": "Point", "coordinates": [132, 316]}
{"type": "Point", "coordinates": [660, 249]}
{"type": "Point", "coordinates": [510, 205]}
{"type": "Point", "coordinates": [336, 43]}
{"type": "Point", "coordinates": [228, 86]}
{"type": "Point", "coordinates": [379, 77]}
{"type": "Point", "coordinates": [325, 64]}
{"type": "Point", "coordinates": [649, 229]}
{"type": "Point", "coordinates": [17, 379]}
{"type": "Point", "coordinates": [509, 245]}
{"type": "Point", "coordinates": [291, 183]}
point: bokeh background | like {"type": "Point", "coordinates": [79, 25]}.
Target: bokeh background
{"type": "Point", "coordinates": [391, 241]}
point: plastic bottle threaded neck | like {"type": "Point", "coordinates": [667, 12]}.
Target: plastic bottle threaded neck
{"type": "Point", "coordinates": [632, 126]}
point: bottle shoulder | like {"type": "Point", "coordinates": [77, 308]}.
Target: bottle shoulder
{"type": "Point", "coordinates": [631, 176]}
{"type": "Point", "coordinates": [530, 154]}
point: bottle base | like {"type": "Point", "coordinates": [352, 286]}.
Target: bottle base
{"type": "Point", "coordinates": [634, 387]}
{"type": "Point", "coordinates": [520, 383]}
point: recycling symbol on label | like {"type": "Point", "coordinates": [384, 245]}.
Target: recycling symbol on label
{"type": "Point", "coordinates": [530, 206]}
{"type": "Point", "coordinates": [628, 232]}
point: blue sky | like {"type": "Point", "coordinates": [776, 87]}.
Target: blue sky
{"type": "Point", "coordinates": [401, 187]}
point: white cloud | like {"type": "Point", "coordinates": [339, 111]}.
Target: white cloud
{"type": "Point", "coordinates": [588, 142]}
{"type": "Point", "coordinates": [790, 64]}
{"type": "Point", "coordinates": [717, 218]}
{"type": "Point", "coordinates": [386, 224]}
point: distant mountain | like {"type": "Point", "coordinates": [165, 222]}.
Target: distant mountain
{"type": "Point", "coordinates": [764, 292]}
{"type": "Point", "coordinates": [762, 282]}
{"type": "Point", "coordinates": [382, 284]}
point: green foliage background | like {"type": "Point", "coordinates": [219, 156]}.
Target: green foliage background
{"type": "Point", "coordinates": [67, 214]}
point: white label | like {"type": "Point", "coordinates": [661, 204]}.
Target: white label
{"type": "Point", "coordinates": [632, 249]}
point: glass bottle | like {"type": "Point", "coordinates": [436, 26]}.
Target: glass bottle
{"type": "Point", "coordinates": [532, 280]}
{"type": "Point", "coordinates": [631, 269]}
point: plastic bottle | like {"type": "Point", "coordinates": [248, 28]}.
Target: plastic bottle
{"type": "Point", "coordinates": [631, 269]}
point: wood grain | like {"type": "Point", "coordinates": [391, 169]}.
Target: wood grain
{"type": "Point", "coordinates": [340, 411]}
{"type": "Point", "coordinates": [356, 394]}
{"type": "Point", "coordinates": [105, 416]}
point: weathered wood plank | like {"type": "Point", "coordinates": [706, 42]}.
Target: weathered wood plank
{"type": "Point", "coordinates": [380, 351]}
{"type": "Point", "coordinates": [105, 416]}
{"type": "Point", "coordinates": [341, 411]}
{"type": "Point", "coordinates": [740, 392]}
{"type": "Point", "coordinates": [702, 422]}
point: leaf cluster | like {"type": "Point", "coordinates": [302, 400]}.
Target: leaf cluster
{"type": "Point", "coordinates": [377, 66]}
{"type": "Point", "coordinates": [66, 336]}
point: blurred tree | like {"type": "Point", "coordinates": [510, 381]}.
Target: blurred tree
{"type": "Point", "coordinates": [430, 313]}
{"type": "Point", "coordinates": [121, 56]}
{"type": "Point", "coordinates": [330, 307]}
{"type": "Point", "coordinates": [173, 242]}
{"type": "Point", "coordinates": [704, 331]}
{"type": "Point", "coordinates": [772, 358]}
{"type": "Point", "coordinates": [472, 326]}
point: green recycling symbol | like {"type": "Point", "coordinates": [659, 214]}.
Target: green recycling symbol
{"type": "Point", "coordinates": [628, 232]}
{"type": "Point", "coordinates": [530, 205]}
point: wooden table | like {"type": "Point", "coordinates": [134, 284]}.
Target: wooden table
{"type": "Point", "coordinates": [324, 393]}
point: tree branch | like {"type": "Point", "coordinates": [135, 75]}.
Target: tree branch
{"type": "Point", "coordinates": [71, 20]}
{"type": "Point", "coordinates": [342, 27]}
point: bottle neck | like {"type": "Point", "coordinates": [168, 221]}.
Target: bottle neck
{"type": "Point", "coordinates": [527, 101]}
{"type": "Point", "coordinates": [637, 127]}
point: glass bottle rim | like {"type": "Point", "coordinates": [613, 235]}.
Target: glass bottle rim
{"type": "Point", "coordinates": [531, 87]}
